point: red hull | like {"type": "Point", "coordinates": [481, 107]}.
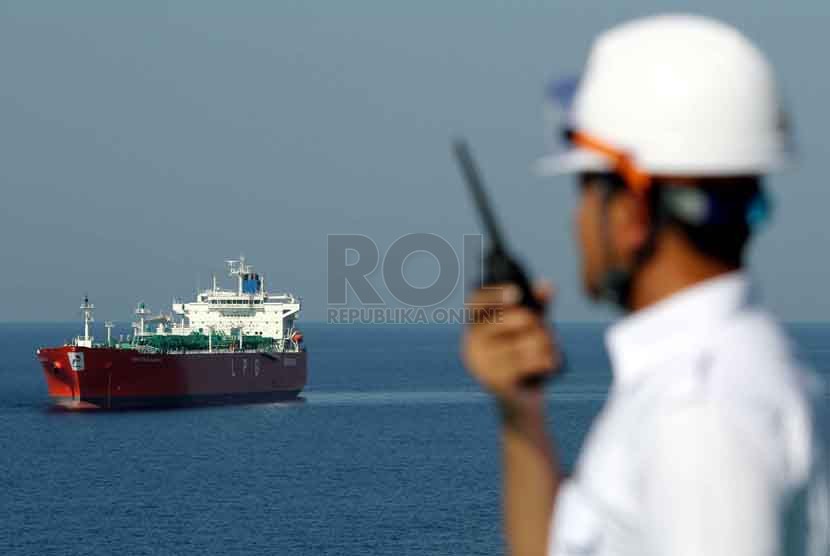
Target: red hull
{"type": "Point", "coordinates": [104, 378]}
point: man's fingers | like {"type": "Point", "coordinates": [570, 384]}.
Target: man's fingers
{"type": "Point", "coordinates": [535, 342]}
{"type": "Point", "coordinates": [486, 305]}
{"type": "Point", "coordinates": [505, 323]}
{"type": "Point", "coordinates": [528, 344]}
{"type": "Point", "coordinates": [488, 301]}
{"type": "Point", "coordinates": [498, 294]}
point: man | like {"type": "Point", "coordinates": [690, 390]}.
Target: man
{"type": "Point", "coordinates": [708, 442]}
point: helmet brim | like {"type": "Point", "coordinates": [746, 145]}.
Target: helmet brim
{"type": "Point", "coordinates": [572, 161]}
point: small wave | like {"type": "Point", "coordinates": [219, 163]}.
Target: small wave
{"type": "Point", "coordinates": [429, 397]}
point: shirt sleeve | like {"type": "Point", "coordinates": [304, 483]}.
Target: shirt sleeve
{"type": "Point", "coordinates": [708, 488]}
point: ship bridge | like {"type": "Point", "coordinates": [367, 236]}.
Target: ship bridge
{"type": "Point", "coordinates": [247, 310]}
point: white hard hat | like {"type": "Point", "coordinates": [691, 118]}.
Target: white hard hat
{"type": "Point", "coordinates": [672, 95]}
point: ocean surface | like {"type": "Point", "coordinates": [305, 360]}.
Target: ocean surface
{"type": "Point", "coordinates": [393, 451]}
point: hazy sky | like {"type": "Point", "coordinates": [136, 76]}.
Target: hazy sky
{"type": "Point", "coordinates": [142, 143]}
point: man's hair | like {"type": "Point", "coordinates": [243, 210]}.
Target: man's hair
{"type": "Point", "coordinates": [723, 229]}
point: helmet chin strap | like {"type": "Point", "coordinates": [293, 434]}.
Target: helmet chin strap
{"type": "Point", "coordinates": [615, 287]}
{"type": "Point", "coordinates": [615, 283]}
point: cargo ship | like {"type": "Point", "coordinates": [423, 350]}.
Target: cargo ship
{"type": "Point", "coordinates": [227, 346]}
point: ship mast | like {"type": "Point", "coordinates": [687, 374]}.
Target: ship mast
{"type": "Point", "coordinates": [86, 308]}
{"type": "Point", "coordinates": [141, 311]}
{"type": "Point", "coordinates": [239, 269]}
{"type": "Point", "coordinates": [108, 325]}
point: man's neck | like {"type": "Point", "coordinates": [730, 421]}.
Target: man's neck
{"type": "Point", "coordinates": [673, 267]}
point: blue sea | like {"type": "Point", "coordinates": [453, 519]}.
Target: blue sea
{"type": "Point", "coordinates": [393, 451]}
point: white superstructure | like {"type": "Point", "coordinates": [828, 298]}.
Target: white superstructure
{"type": "Point", "coordinates": [247, 310]}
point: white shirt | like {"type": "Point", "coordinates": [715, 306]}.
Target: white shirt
{"type": "Point", "coordinates": [708, 442]}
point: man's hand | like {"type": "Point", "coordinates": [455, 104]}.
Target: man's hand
{"type": "Point", "coordinates": [507, 342]}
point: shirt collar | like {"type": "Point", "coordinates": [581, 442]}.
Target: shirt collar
{"type": "Point", "coordinates": [642, 340]}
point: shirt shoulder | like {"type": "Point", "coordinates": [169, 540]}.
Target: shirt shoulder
{"type": "Point", "coordinates": [748, 373]}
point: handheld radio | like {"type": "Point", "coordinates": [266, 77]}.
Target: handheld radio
{"type": "Point", "coordinates": [499, 266]}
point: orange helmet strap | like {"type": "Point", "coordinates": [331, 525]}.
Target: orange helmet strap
{"type": "Point", "coordinates": [637, 180]}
